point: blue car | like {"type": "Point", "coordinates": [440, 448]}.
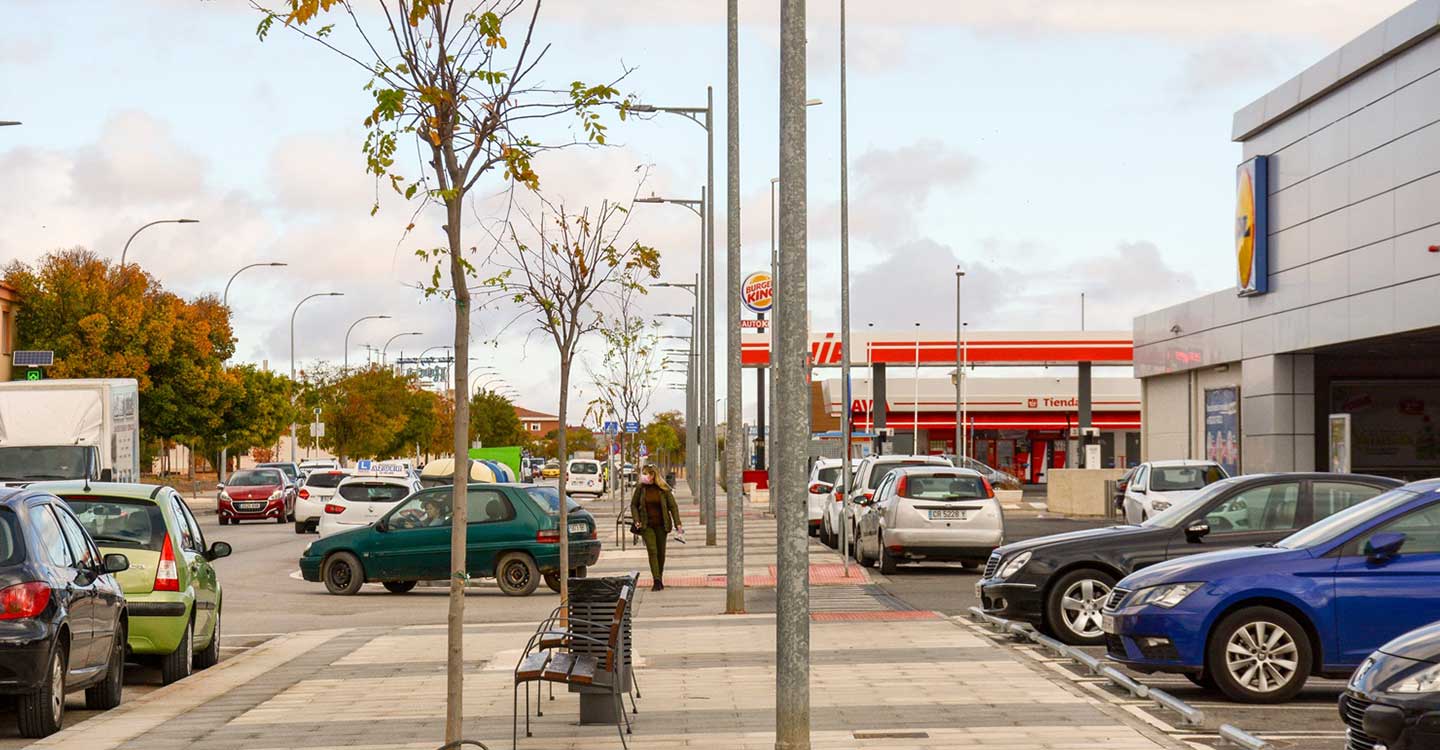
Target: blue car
{"type": "Point", "coordinates": [1257, 622]}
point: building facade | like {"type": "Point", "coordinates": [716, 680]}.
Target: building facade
{"type": "Point", "coordinates": [1336, 309]}
{"type": "Point", "coordinates": [537, 424]}
{"type": "Point", "coordinates": [9, 302]}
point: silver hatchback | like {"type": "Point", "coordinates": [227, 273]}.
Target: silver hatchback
{"type": "Point", "coordinates": [928, 513]}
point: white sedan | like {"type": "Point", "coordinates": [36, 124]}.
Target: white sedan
{"type": "Point", "coordinates": [310, 501]}
{"type": "Point", "coordinates": [1157, 485]}
{"type": "Point", "coordinates": [929, 514]}
{"type": "Point", "coordinates": [360, 501]}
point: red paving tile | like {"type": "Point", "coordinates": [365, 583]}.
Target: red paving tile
{"type": "Point", "coordinates": [872, 616]}
{"type": "Point", "coordinates": [820, 575]}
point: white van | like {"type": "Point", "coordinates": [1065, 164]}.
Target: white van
{"type": "Point", "coordinates": [583, 477]}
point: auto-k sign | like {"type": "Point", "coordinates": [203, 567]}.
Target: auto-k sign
{"type": "Point", "coordinates": [1252, 227]}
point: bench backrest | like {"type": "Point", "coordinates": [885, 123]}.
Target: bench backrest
{"type": "Point", "coordinates": [617, 627]}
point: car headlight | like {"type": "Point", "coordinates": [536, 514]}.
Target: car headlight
{"type": "Point", "coordinates": [275, 495]}
{"type": "Point", "coordinates": [1425, 681]}
{"type": "Point", "coordinates": [306, 553]}
{"type": "Point", "coordinates": [1166, 596]}
{"type": "Point", "coordinates": [1013, 565]}
{"type": "Point", "coordinates": [1160, 505]}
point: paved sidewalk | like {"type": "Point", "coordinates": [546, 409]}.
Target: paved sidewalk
{"type": "Point", "coordinates": [882, 675]}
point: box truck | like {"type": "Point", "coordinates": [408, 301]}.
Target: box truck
{"type": "Point", "coordinates": [70, 429]}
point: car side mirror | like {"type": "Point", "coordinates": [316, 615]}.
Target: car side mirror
{"type": "Point", "coordinates": [107, 475]}
{"type": "Point", "coordinates": [218, 550]}
{"type": "Point", "coordinates": [1139, 490]}
{"type": "Point", "coordinates": [1383, 548]}
{"type": "Point", "coordinates": [220, 486]}
{"type": "Point", "coordinates": [115, 563]}
{"type": "Point", "coordinates": [1197, 530]}
{"type": "Point", "coordinates": [383, 525]}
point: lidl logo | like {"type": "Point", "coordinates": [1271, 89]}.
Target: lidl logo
{"type": "Point", "coordinates": [758, 291]}
{"type": "Point", "coordinates": [1252, 227]}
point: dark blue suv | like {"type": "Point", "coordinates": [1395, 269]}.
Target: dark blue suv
{"type": "Point", "coordinates": [1257, 622]}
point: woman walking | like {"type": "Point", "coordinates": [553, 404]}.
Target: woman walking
{"type": "Point", "coordinates": [655, 515]}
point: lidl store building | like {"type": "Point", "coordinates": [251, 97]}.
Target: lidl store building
{"type": "Point", "coordinates": [1326, 354]}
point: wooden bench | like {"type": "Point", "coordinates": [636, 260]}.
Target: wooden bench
{"type": "Point", "coordinates": [550, 657]}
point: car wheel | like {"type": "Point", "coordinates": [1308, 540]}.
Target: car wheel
{"type": "Point", "coordinates": [41, 713]}
{"type": "Point", "coordinates": [342, 574]}
{"type": "Point", "coordinates": [825, 531]}
{"type": "Point", "coordinates": [211, 655]}
{"type": "Point", "coordinates": [517, 575]}
{"type": "Point", "coordinates": [178, 664]}
{"type": "Point", "coordinates": [552, 581]}
{"type": "Point", "coordinates": [888, 563]}
{"type": "Point", "coordinates": [301, 527]}
{"type": "Point", "coordinates": [1072, 608]}
{"type": "Point", "coordinates": [283, 518]}
{"type": "Point", "coordinates": [106, 694]}
{"type": "Point", "coordinates": [1258, 655]}
{"type": "Point", "coordinates": [399, 587]}
{"type": "Point", "coordinates": [581, 572]}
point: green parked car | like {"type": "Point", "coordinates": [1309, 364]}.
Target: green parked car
{"type": "Point", "coordinates": [171, 590]}
{"type": "Point", "coordinates": [512, 536]}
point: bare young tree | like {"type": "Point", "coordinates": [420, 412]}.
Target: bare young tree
{"type": "Point", "coordinates": [447, 82]}
{"type": "Point", "coordinates": [629, 372]}
{"type": "Point", "coordinates": [572, 262]}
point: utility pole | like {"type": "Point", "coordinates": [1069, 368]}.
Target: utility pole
{"type": "Point", "coordinates": [960, 448]}
{"type": "Point", "coordinates": [734, 429]}
{"type": "Point", "coordinates": [846, 427]}
{"type": "Point", "coordinates": [712, 435]}
{"type": "Point", "coordinates": [792, 619]}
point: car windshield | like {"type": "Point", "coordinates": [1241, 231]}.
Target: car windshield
{"type": "Point", "coordinates": [254, 478]}
{"type": "Point", "coordinates": [374, 492]}
{"type": "Point", "coordinates": [548, 498]}
{"type": "Point", "coordinates": [19, 463]}
{"type": "Point", "coordinates": [1174, 478]}
{"type": "Point", "coordinates": [880, 471]}
{"type": "Point", "coordinates": [944, 487]}
{"type": "Point", "coordinates": [325, 479]}
{"type": "Point", "coordinates": [1178, 512]}
{"type": "Point", "coordinates": [584, 467]}
{"type": "Point", "coordinates": [289, 469]}
{"type": "Point", "coordinates": [120, 522]}
{"type": "Point", "coordinates": [1348, 519]}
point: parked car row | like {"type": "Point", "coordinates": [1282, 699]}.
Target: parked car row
{"type": "Point", "coordinates": [93, 575]}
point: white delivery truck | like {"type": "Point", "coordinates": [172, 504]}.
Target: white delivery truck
{"type": "Point", "coordinates": [70, 429]}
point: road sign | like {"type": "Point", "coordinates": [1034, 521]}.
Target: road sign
{"type": "Point", "coordinates": [363, 464]}
{"type": "Point", "coordinates": [632, 426]}
{"type": "Point", "coordinates": [611, 428]}
{"type": "Point", "coordinates": [644, 451]}
{"type": "Point", "coordinates": [34, 374]}
{"type": "Point", "coordinates": [760, 324]}
{"type": "Point", "coordinates": [758, 292]}
{"type": "Point", "coordinates": [317, 429]}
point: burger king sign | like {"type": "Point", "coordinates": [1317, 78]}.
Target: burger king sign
{"type": "Point", "coordinates": [758, 292]}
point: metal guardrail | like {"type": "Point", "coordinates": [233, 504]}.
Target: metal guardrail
{"type": "Point", "coordinates": [1236, 736]}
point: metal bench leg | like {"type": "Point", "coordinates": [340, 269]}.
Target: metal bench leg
{"type": "Point", "coordinates": [515, 714]}
{"type": "Point", "coordinates": [539, 706]}
{"type": "Point", "coordinates": [620, 714]}
{"type": "Point", "coordinates": [634, 682]}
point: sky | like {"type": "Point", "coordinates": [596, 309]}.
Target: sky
{"type": "Point", "coordinates": [1048, 147]}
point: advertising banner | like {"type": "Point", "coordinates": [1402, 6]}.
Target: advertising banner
{"type": "Point", "coordinates": [1222, 427]}
{"type": "Point", "coordinates": [1392, 423]}
{"type": "Point", "coordinates": [1340, 443]}
{"type": "Point", "coordinates": [1252, 227]}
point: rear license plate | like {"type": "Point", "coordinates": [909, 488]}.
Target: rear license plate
{"type": "Point", "coordinates": [1107, 624]}
{"type": "Point", "coordinates": [947, 515]}
{"type": "Point", "coordinates": [578, 528]}
{"type": "Point", "coordinates": [248, 507]}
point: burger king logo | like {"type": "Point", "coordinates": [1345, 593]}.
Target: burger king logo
{"type": "Point", "coordinates": [758, 292]}
{"type": "Point", "coordinates": [1252, 263]}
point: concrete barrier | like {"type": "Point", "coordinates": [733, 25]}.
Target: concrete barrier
{"type": "Point", "coordinates": [1079, 492]}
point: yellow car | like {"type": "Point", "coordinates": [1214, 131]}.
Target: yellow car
{"type": "Point", "coordinates": [550, 471]}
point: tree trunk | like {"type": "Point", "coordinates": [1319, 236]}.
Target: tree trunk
{"type": "Point", "coordinates": [564, 501]}
{"type": "Point", "coordinates": [459, 513]}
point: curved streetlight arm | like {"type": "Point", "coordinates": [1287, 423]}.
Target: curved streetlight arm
{"type": "Point", "coordinates": [225, 299]}
{"type": "Point", "coordinates": [126, 249]}
{"type": "Point", "coordinates": [345, 367]}
{"type": "Point", "coordinates": [292, 326]}
{"type": "Point", "coordinates": [386, 348]}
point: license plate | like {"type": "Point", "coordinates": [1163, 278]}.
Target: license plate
{"type": "Point", "coordinates": [947, 515]}
{"type": "Point", "coordinates": [1107, 624]}
{"type": "Point", "coordinates": [247, 507]}
{"type": "Point", "coordinates": [578, 528]}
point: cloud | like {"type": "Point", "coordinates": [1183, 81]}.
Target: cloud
{"type": "Point", "coordinates": [136, 160]}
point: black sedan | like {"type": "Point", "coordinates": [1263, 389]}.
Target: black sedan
{"type": "Point", "coordinates": [62, 613]}
{"type": "Point", "coordinates": [1394, 697]}
{"type": "Point", "coordinates": [1061, 582]}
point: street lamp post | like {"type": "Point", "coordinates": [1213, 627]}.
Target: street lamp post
{"type": "Point", "coordinates": [4, 123]}
{"type": "Point", "coordinates": [345, 367]}
{"type": "Point", "coordinates": [292, 355]}
{"type": "Point", "coordinates": [225, 302]}
{"type": "Point", "coordinates": [386, 348]}
{"type": "Point", "coordinates": [126, 249]}
{"type": "Point", "coordinates": [915, 405]}
{"type": "Point", "coordinates": [960, 447]}
{"type": "Point", "coordinates": [705, 332]}
{"type": "Point", "coordinates": [846, 427]}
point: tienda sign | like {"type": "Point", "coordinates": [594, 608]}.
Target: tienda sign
{"type": "Point", "coordinates": [758, 292]}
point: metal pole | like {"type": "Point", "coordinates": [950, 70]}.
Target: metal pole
{"type": "Point", "coordinates": [959, 372]}
{"type": "Point", "coordinates": [692, 392]}
{"type": "Point", "coordinates": [734, 427]}
{"type": "Point", "coordinates": [345, 367]}
{"type": "Point", "coordinates": [964, 401]}
{"type": "Point", "coordinates": [915, 406]}
{"type": "Point", "coordinates": [712, 441]}
{"type": "Point", "coordinates": [292, 357]}
{"type": "Point", "coordinates": [225, 302]}
{"type": "Point", "coordinates": [126, 249]}
{"type": "Point", "coordinates": [775, 290]}
{"type": "Point", "coordinates": [846, 427]}
{"type": "Point", "coordinates": [705, 429]}
{"type": "Point", "coordinates": [792, 619]}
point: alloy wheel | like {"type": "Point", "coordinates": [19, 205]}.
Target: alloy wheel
{"type": "Point", "coordinates": [57, 689]}
{"type": "Point", "coordinates": [1261, 656]}
{"type": "Point", "coordinates": [1081, 605]}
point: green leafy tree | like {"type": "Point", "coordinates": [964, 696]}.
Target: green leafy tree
{"type": "Point", "coordinates": [448, 84]}
{"type": "Point", "coordinates": [255, 409]}
{"type": "Point", "coordinates": [493, 421]}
